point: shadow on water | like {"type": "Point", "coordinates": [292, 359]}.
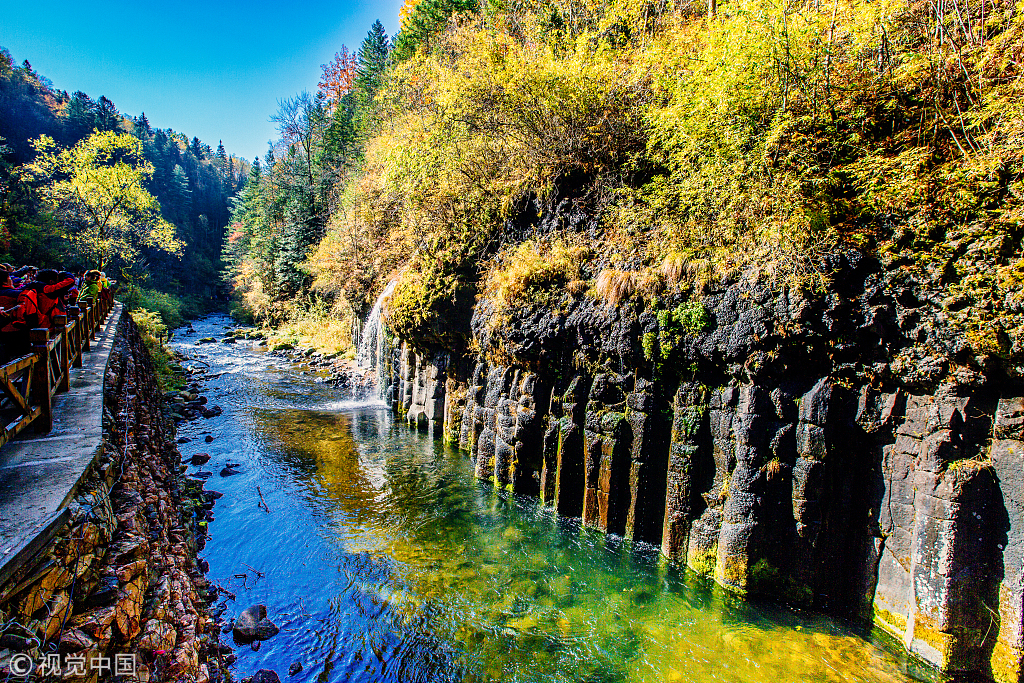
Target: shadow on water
{"type": "Point", "coordinates": [382, 558]}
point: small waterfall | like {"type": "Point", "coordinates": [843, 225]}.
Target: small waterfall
{"type": "Point", "coordinates": [373, 346]}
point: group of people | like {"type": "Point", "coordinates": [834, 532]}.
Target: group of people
{"type": "Point", "coordinates": [31, 297]}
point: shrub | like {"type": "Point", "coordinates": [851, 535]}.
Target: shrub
{"type": "Point", "coordinates": [533, 270]}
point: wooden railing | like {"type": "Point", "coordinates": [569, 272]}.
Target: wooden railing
{"type": "Point", "coordinates": [29, 383]}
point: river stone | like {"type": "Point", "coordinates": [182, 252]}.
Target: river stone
{"type": "Point", "coordinates": [253, 624]}
{"type": "Point", "coordinates": [295, 668]}
{"type": "Point", "coordinates": [266, 676]}
{"type": "Point", "coordinates": [200, 458]}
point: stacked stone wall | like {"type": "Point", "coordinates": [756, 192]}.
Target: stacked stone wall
{"type": "Point", "coordinates": [121, 578]}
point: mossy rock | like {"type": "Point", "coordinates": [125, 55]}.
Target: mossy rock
{"type": "Point", "coordinates": [283, 346]}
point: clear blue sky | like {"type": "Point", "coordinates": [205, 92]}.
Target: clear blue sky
{"type": "Point", "coordinates": [214, 69]}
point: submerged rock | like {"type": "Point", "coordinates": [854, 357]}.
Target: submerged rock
{"type": "Point", "coordinates": [295, 668]}
{"type": "Point", "coordinates": [266, 676]}
{"type": "Point", "coordinates": [253, 624]}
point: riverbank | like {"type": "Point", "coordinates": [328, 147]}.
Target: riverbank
{"type": "Point", "coordinates": [120, 584]}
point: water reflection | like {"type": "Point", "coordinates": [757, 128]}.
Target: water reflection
{"type": "Point", "coordinates": [385, 560]}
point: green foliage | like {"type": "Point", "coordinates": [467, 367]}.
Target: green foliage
{"type": "Point", "coordinates": [431, 304]}
{"type": "Point", "coordinates": [171, 310]}
{"type": "Point", "coordinates": [372, 60]}
{"type": "Point", "coordinates": [688, 318]}
{"type": "Point", "coordinates": [153, 332]}
{"type": "Point", "coordinates": [764, 136]}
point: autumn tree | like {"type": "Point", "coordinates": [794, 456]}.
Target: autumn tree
{"type": "Point", "coordinates": [338, 77]}
{"type": "Point", "coordinates": [95, 190]}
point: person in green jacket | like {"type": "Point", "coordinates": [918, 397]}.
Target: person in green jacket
{"type": "Point", "coordinates": [92, 286]}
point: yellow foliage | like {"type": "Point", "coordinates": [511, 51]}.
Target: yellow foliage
{"type": "Point", "coordinates": [534, 268]}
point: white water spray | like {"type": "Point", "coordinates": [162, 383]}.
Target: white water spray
{"type": "Point", "coordinates": [373, 346]}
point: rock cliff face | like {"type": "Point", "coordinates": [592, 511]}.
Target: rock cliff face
{"type": "Point", "coordinates": [122, 579]}
{"type": "Point", "coordinates": [844, 451]}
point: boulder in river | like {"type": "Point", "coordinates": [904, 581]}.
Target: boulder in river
{"type": "Point", "coordinates": [228, 471]}
{"type": "Point", "coordinates": [200, 458]}
{"type": "Point", "coordinates": [253, 624]}
{"type": "Point", "coordinates": [266, 676]}
{"type": "Point", "coordinates": [295, 668]}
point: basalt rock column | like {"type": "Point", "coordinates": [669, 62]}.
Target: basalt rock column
{"type": "Point", "coordinates": [549, 451]}
{"type": "Point", "coordinates": [1006, 662]}
{"type": "Point", "coordinates": [739, 542]}
{"type": "Point", "coordinates": [607, 441]}
{"type": "Point", "coordinates": [473, 416]}
{"type": "Point", "coordinates": [702, 549]}
{"type": "Point", "coordinates": [527, 450]}
{"type": "Point", "coordinates": [569, 476]}
{"type": "Point", "coordinates": [647, 467]}
{"type": "Point", "coordinates": [499, 382]}
{"type": "Point", "coordinates": [936, 573]}
{"type": "Point", "coordinates": [682, 503]}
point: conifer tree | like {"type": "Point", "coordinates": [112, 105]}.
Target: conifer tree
{"type": "Point", "coordinates": [372, 60]}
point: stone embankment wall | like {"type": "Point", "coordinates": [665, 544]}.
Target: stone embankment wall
{"type": "Point", "coordinates": [837, 452]}
{"type": "Point", "coordinates": [122, 577]}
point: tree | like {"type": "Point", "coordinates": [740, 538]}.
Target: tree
{"type": "Point", "coordinates": [338, 77]}
{"type": "Point", "coordinates": [372, 60]}
{"type": "Point", "coordinates": [222, 155]}
{"type": "Point", "coordinates": [95, 190]}
{"type": "Point", "coordinates": [423, 20]}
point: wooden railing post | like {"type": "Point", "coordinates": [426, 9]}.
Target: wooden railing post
{"type": "Point", "coordinates": [75, 336]}
{"type": "Point", "coordinates": [87, 314]}
{"type": "Point", "coordinates": [39, 337]}
{"type": "Point", "coordinates": [60, 329]}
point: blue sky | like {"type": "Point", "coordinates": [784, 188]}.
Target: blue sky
{"type": "Point", "coordinates": [212, 69]}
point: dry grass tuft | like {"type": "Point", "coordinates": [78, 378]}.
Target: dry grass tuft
{"type": "Point", "coordinates": [674, 267]}
{"type": "Point", "coordinates": [615, 286]}
{"type": "Point", "coordinates": [577, 287]}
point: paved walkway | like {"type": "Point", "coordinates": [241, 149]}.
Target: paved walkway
{"type": "Point", "coordinates": [39, 474]}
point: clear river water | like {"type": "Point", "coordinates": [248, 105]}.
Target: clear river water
{"type": "Point", "coordinates": [382, 558]}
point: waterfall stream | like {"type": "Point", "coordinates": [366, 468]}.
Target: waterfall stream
{"type": "Point", "coordinates": [373, 346]}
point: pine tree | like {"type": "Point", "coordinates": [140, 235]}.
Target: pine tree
{"type": "Point", "coordinates": [221, 153]}
{"type": "Point", "coordinates": [142, 123]}
{"type": "Point", "coordinates": [197, 148]}
{"type": "Point", "coordinates": [372, 60]}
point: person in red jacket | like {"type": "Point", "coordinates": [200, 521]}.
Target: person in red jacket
{"type": "Point", "coordinates": [19, 314]}
{"type": "Point", "coordinates": [51, 289]}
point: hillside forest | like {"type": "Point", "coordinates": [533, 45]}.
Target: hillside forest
{"type": "Point", "coordinates": [678, 143]}
{"type": "Point", "coordinates": [182, 191]}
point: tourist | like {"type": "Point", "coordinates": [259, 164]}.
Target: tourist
{"type": "Point", "coordinates": [52, 289]}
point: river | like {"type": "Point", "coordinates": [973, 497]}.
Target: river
{"type": "Point", "coordinates": [382, 558]}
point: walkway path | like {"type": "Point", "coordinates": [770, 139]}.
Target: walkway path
{"type": "Point", "coordinates": [39, 474]}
